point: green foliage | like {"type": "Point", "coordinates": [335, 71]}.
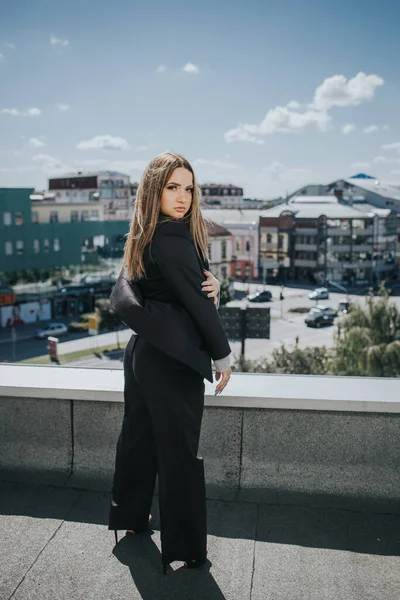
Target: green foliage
{"type": "Point", "coordinates": [367, 344]}
{"type": "Point", "coordinates": [307, 361]}
{"type": "Point", "coordinates": [225, 293]}
{"type": "Point", "coordinates": [108, 318]}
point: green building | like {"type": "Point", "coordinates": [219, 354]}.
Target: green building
{"type": "Point", "coordinates": [25, 244]}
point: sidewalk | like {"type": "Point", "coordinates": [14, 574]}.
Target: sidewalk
{"type": "Point", "coordinates": [56, 546]}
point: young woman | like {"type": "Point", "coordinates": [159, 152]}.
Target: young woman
{"type": "Point", "coordinates": [167, 297]}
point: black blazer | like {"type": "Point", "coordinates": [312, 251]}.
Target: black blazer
{"type": "Point", "coordinates": [168, 307]}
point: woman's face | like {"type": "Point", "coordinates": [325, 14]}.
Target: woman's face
{"type": "Point", "coordinates": [177, 195]}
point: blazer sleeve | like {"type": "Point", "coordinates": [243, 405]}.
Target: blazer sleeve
{"type": "Point", "coordinates": [174, 253]}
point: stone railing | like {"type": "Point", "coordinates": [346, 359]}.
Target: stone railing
{"type": "Point", "coordinates": [331, 441]}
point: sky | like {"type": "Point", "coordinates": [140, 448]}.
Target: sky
{"type": "Point", "coordinates": [269, 95]}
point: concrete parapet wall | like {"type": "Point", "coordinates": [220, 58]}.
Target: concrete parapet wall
{"type": "Point", "coordinates": [343, 458]}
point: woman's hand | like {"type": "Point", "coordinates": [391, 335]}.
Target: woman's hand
{"type": "Point", "coordinates": [225, 376]}
{"type": "Point", "coordinates": [211, 286]}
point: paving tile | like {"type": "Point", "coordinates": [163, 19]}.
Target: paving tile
{"type": "Point", "coordinates": [29, 517]}
{"type": "Point", "coordinates": [320, 554]}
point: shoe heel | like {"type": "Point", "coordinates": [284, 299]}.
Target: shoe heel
{"type": "Point", "coordinates": [116, 536]}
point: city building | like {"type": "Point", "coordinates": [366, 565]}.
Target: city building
{"type": "Point", "coordinates": [319, 238]}
{"type": "Point", "coordinates": [31, 239]}
{"type": "Point", "coordinates": [360, 188]}
{"type": "Point", "coordinates": [49, 211]}
{"type": "Point", "coordinates": [228, 196]}
{"type": "Point", "coordinates": [219, 250]}
{"type": "Point", "coordinates": [111, 189]}
{"type": "Point", "coordinates": [244, 227]}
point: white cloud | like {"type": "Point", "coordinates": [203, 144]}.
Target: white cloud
{"type": "Point", "coordinates": [339, 91]}
{"type": "Point", "coordinates": [370, 129]}
{"type": "Point", "coordinates": [394, 146]}
{"type": "Point", "coordinates": [349, 128]}
{"type": "Point", "coordinates": [383, 160]}
{"type": "Point", "coordinates": [190, 68]}
{"type": "Point", "coordinates": [277, 172]}
{"type": "Point", "coordinates": [49, 163]}
{"type": "Point", "coordinates": [104, 142]}
{"type": "Point", "coordinates": [215, 164]}
{"type": "Point", "coordinates": [36, 143]}
{"type": "Point", "coordinates": [161, 69]}
{"type": "Point", "coordinates": [15, 112]}
{"type": "Point", "coordinates": [360, 165]}
{"type": "Point", "coordinates": [385, 126]}
{"type": "Point", "coordinates": [334, 91]}
{"type": "Point", "coordinates": [11, 46]}
{"type": "Point", "coordinates": [114, 165]}
{"type": "Point", "coordinates": [55, 41]}
{"type": "Point", "coordinates": [62, 106]}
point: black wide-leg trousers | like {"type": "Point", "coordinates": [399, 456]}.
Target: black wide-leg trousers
{"type": "Point", "coordinates": [164, 402]}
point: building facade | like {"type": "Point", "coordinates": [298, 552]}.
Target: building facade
{"type": "Point", "coordinates": [28, 243]}
{"type": "Point", "coordinates": [219, 250]}
{"type": "Point", "coordinates": [319, 238]}
{"type": "Point", "coordinates": [109, 188]}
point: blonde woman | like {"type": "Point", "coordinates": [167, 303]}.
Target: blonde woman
{"type": "Point", "coordinates": [167, 296]}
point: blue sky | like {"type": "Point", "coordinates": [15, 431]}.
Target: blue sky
{"type": "Point", "coordinates": [269, 95]}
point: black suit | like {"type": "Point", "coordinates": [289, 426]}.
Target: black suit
{"type": "Point", "coordinates": [177, 332]}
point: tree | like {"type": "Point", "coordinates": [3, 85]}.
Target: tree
{"type": "Point", "coordinates": [368, 342]}
{"type": "Point", "coordinates": [307, 361]}
{"type": "Point", "coordinates": [225, 293]}
{"type": "Point", "coordinates": [108, 318]}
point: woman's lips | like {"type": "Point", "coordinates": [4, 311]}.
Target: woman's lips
{"type": "Point", "coordinates": [179, 209]}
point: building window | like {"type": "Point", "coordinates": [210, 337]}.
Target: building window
{"type": "Point", "coordinates": [280, 241]}
{"type": "Point", "coordinates": [35, 216]}
{"type": "Point", "coordinates": [238, 246]}
{"type": "Point", "coordinates": [85, 215]}
{"type": "Point", "coordinates": [56, 244]}
{"type": "Point", "coordinates": [223, 250]}
{"type": "Point", "coordinates": [238, 270]}
{"type": "Point", "coordinates": [94, 215]}
{"type": "Point", "coordinates": [46, 245]}
{"type": "Point", "coordinates": [19, 246]}
{"type": "Point", "coordinates": [9, 248]}
{"type": "Point", "coordinates": [247, 246]}
{"type": "Point", "coordinates": [7, 218]}
{"type": "Point", "coordinates": [269, 238]}
{"type": "Point", "coordinates": [18, 218]}
{"type": "Point", "coordinates": [223, 272]}
{"type": "Point", "coordinates": [36, 246]}
{"type": "Point", "coordinates": [53, 216]}
{"type": "Point", "coordinates": [209, 251]}
{"type": "Point", "coordinates": [74, 216]}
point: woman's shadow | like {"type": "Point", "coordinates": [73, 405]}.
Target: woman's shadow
{"type": "Point", "coordinates": [142, 556]}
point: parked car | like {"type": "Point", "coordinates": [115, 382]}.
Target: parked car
{"type": "Point", "coordinates": [326, 310]}
{"type": "Point", "coordinates": [345, 306]}
{"type": "Point", "coordinates": [52, 329]}
{"type": "Point", "coordinates": [318, 319]}
{"type": "Point", "coordinates": [319, 294]}
{"type": "Point", "coordinates": [82, 323]}
{"type": "Point", "coordinates": [265, 296]}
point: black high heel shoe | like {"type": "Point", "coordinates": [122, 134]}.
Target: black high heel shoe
{"type": "Point", "coordinates": [130, 532]}
{"type": "Point", "coordinates": [191, 564]}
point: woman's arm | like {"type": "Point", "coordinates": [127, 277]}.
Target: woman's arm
{"type": "Point", "coordinates": [174, 252]}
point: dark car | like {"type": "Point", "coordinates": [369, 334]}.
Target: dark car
{"type": "Point", "coordinates": [265, 296]}
{"type": "Point", "coordinates": [318, 319]}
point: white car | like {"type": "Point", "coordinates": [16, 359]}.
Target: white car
{"type": "Point", "coordinates": [52, 329]}
{"type": "Point", "coordinates": [319, 294]}
{"type": "Point", "coordinates": [326, 310]}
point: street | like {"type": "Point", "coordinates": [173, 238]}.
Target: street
{"type": "Point", "coordinates": [285, 327]}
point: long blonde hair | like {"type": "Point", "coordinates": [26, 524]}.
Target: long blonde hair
{"type": "Point", "coordinates": [146, 212]}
